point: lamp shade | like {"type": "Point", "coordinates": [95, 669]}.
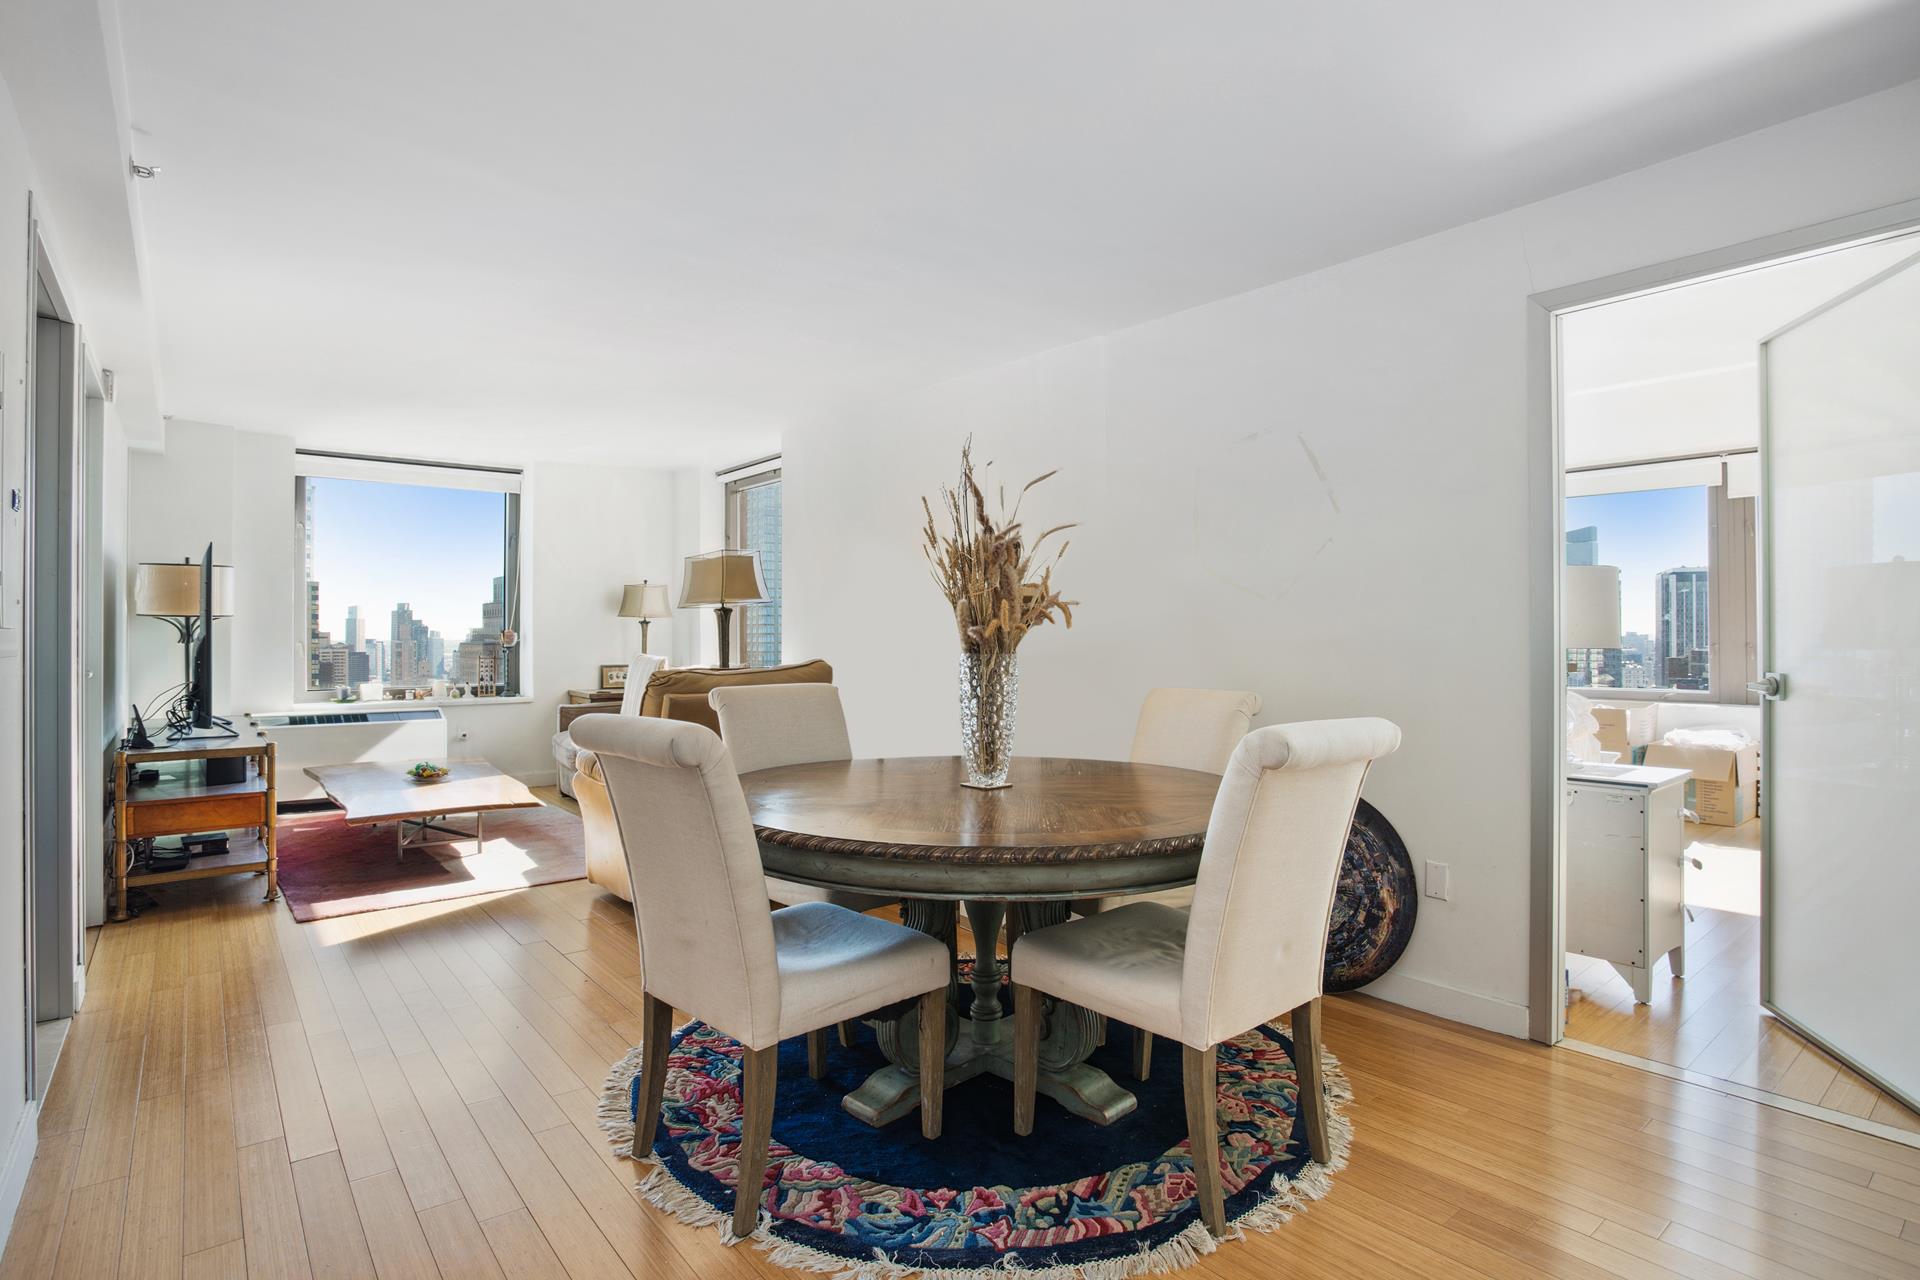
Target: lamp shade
{"type": "Point", "coordinates": [723, 577]}
{"type": "Point", "coordinates": [173, 591]}
{"type": "Point", "coordinates": [645, 600]}
{"type": "Point", "coordinates": [1592, 603]}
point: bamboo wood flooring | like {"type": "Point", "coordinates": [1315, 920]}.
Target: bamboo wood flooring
{"type": "Point", "coordinates": [411, 1093]}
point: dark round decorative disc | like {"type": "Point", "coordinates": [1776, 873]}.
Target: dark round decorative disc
{"type": "Point", "coordinates": [1373, 906]}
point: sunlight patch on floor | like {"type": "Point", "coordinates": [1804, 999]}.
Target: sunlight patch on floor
{"type": "Point", "coordinates": [1728, 877]}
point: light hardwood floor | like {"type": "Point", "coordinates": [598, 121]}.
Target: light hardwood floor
{"type": "Point", "coordinates": [1711, 1020]}
{"type": "Point", "coordinates": [411, 1093]}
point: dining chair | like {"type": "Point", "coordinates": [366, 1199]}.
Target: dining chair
{"type": "Point", "coordinates": [710, 943]}
{"type": "Point", "coordinates": [766, 726]}
{"type": "Point", "coordinates": [1252, 947]}
{"type": "Point", "coordinates": [1193, 728]}
{"type": "Point", "coordinates": [1182, 729]}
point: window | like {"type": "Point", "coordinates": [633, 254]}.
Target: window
{"type": "Point", "coordinates": [1685, 555]}
{"type": "Point", "coordinates": [411, 576]}
{"type": "Point", "coordinates": [754, 524]}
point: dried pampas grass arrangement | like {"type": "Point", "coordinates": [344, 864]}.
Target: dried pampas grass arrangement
{"type": "Point", "coordinates": [999, 584]}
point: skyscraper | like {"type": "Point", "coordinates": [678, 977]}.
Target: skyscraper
{"type": "Point", "coordinates": [1681, 607]}
{"type": "Point", "coordinates": [408, 651]}
{"type": "Point", "coordinates": [1583, 545]}
{"type": "Point", "coordinates": [356, 638]}
{"type": "Point", "coordinates": [316, 639]}
{"type": "Point", "coordinates": [477, 658]}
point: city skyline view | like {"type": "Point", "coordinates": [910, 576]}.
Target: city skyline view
{"type": "Point", "coordinates": [1644, 534]}
{"type": "Point", "coordinates": [378, 545]}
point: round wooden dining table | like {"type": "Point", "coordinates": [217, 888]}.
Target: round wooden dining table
{"type": "Point", "coordinates": [907, 828]}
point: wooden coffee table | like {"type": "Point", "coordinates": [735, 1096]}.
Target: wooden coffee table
{"type": "Point", "coordinates": [382, 792]}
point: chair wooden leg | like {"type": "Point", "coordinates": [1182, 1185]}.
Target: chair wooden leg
{"type": "Point", "coordinates": [1142, 1053]}
{"type": "Point", "coordinates": [817, 1053]}
{"type": "Point", "coordinates": [1203, 1134]}
{"type": "Point", "coordinates": [1313, 1087]}
{"type": "Point", "coordinates": [846, 1034]}
{"type": "Point", "coordinates": [759, 1074]}
{"type": "Point", "coordinates": [656, 1029]}
{"type": "Point", "coordinates": [933, 1061]}
{"type": "Point", "coordinates": [1026, 1056]}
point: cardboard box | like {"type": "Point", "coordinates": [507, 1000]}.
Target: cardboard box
{"type": "Point", "coordinates": [1613, 731]}
{"type": "Point", "coordinates": [1725, 790]}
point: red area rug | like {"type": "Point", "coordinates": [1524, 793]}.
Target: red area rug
{"type": "Point", "coordinates": [329, 869]}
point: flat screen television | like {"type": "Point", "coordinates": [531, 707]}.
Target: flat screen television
{"type": "Point", "coordinates": [192, 715]}
{"type": "Point", "coordinates": [200, 691]}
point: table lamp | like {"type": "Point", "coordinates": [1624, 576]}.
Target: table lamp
{"type": "Point", "coordinates": [171, 592]}
{"type": "Point", "coordinates": [646, 601]}
{"type": "Point", "coordinates": [1591, 605]}
{"type": "Point", "coordinates": [722, 579]}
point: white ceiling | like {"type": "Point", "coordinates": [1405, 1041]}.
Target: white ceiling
{"type": "Point", "coordinates": [620, 229]}
{"type": "Point", "coordinates": [1678, 371]}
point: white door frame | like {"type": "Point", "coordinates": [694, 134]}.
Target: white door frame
{"type": "Point", "coordinates": [51, 929]}
{"type": "Point", "coordinates": [1547, 677]}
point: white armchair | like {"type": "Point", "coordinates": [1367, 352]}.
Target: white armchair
{"type": "Point", "coordinates": [709, 943]}
{"type": "Point", "coordinates": [1252, 947]}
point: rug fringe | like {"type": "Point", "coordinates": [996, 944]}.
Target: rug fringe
{"type": "Point", "coordinates": [666, 1193]}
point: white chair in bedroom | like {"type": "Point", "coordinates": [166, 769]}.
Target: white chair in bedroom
{"type": "Point", "coordinates": [1252, 947]}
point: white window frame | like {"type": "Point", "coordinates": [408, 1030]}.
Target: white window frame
{"type": "Point", "coordinates": [735, 482]}
{"type": "Point", "coordinates": [323, 465]}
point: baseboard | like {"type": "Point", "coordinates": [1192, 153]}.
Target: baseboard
{"type": "Point", "coordinates": [1451, 1003]}
{"type": "Point", "coordinates": [20, 1153]}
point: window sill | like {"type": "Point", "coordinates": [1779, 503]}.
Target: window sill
{"type": "Point", "coordinates": [403, 704]}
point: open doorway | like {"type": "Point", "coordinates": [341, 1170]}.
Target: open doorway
{"type": "Point", "coordinates": [1664, 582]}
{"type": "Point", "coordinates": [65, 606]}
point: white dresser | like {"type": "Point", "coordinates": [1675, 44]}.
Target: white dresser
{"type": "Point", "coordinates": [1626, 850]}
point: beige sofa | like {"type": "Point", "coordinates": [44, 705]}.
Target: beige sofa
{"type": "Point", "coordinates": [679, 693]}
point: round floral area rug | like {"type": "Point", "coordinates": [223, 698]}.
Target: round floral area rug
{"type": "Point", "coordinates": [1074, 1200]}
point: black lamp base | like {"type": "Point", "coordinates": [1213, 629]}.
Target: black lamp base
{"type": "Point", "coordinates": [723, 618]}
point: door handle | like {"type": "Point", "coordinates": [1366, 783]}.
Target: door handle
{"type": "Point", "coordinates": [1772, 686]}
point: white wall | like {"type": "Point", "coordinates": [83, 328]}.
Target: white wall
{"type": "Point", "coordinates": [585, 533]}
{"type": "Point", "coordinates": [1318, 490]}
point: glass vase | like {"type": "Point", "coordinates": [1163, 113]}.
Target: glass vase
{"type": "Point", "coordinates": [989, 699]}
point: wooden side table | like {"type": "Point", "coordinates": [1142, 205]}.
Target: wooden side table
{"type": "Point", "coordinates": [581, 697]}
{"type": "Point", "coordinates": [183, 803]}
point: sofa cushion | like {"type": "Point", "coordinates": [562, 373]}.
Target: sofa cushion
{"type": "Point", "coordinates": [680, 693]}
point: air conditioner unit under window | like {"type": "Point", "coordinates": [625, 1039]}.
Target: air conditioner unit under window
{"type": "Point", "coordinates": [343, 735]}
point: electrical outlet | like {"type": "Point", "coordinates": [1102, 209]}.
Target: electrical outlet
{"type": "Point", "coordinates": [1437, 876]}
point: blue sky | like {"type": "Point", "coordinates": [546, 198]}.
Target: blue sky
{"type": "Point", "coordinates": [376, 544]}
{"type": "Point", "coordinates": [1644, 533]}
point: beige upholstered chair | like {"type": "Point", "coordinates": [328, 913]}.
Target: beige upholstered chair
{"type": "Point", "coordinates": [1185, 729]}
{"type": "Point", "coordinates": [678, 693]}
{"type": "Point", "coordinates": [766, 726]}
{"type": "Point", "coordinates": [1252, 947]}
{"type": "Point", "coordinates": [710, 945]}
{"type": "Point", "coordinates": [1193, 728]}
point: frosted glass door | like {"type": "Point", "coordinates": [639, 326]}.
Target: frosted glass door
{"type": "Point", "coordinates": [1841, 767]}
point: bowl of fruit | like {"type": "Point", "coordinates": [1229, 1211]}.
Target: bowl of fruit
{"type": "Point", "coordinates": [427, 771]}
